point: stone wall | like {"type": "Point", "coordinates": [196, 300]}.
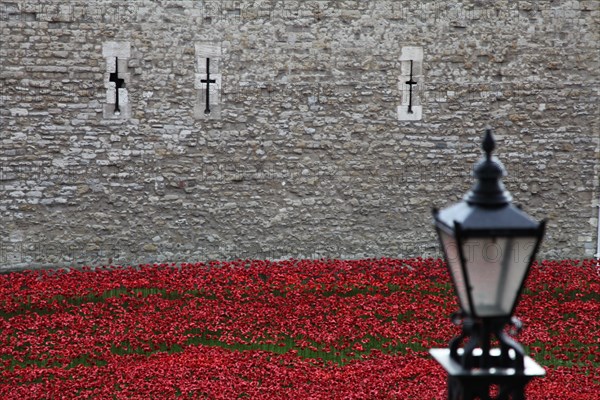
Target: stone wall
{"type": "Point", "coordinates": [308, 150]}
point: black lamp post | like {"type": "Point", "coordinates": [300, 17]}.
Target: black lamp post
{"type": "Point", "coordinates": [489, 246]}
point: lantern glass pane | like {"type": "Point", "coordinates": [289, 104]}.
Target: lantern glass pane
{"type": "Point", "coordinates": [454, 265]}
{"type": "Point", "coordinates": [496, 268]}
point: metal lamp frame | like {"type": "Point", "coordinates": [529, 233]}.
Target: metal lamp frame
{"type": "Point", "coordinates": [475, 368]}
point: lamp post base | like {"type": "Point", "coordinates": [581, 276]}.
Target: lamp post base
{"type": "Point", "coordinates": [476, 383]}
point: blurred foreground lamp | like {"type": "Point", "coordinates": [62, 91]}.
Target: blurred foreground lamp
{"type": "Point", "coordinates": [489, 245]}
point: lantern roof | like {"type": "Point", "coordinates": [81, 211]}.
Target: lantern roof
{"type": "Point", "coordinates": [487, 209]}
{"type": "Point", "coordinates": [474, 220]}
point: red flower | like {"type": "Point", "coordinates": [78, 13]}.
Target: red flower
{"type": "Point", "coordinates": [330, 329]}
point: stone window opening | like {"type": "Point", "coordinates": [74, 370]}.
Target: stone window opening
{"type": "Point", "coordinates": [117, 79]}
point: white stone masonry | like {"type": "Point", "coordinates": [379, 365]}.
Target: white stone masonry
{"type": "Point", "coordinates": [208, 51]}
{"type": "Point", "coordinates": [410, 108]}
{"type": "Point", "coordinates": [117, 53]}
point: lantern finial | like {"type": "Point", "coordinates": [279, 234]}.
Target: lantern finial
{"type": "Point", "coordinates": [488, 191]}
{"type": "Point", "coordinates": [489, 144]}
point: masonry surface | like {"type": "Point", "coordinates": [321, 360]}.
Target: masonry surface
{"type": "Point", "coordinates": [306, 155]}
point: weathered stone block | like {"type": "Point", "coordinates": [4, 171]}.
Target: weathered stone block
{"type": "Point", "coordinates": [309, 141]}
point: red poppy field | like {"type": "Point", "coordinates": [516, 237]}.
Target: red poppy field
{"type": "Point", "coordinates": [303, 329]}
